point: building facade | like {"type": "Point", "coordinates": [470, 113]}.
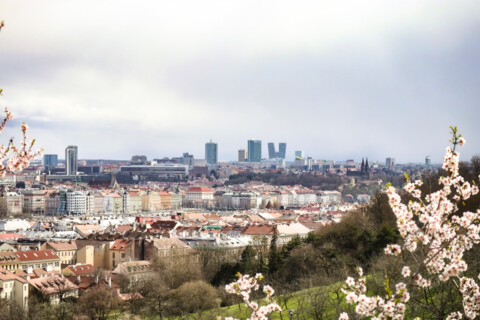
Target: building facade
{"type": "Point", "coordinates": [211, 152]}
{"type": "Point", "coordinates": [242, 155]}
{"type": "Point", "coordinates": [71, 159]}
{"type": "Point", "coordinates": [280, 154]}
{"type": "Point", "coordinates": [254, 150]}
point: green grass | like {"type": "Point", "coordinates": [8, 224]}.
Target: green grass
{"type": "Point", "coordinates": [318, 302]}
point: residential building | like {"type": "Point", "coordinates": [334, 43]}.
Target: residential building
{"type": "Point", "coordinates": [254, 150]}
{"type": "Point", "coordinates": [66, 250]}
{"type": "Point", "coordinates": [54, 288]}
{"type": "Point", "coordinates": [165, 248]}
{"type": "Point", "coordinates": [39, 259]}
{"type": "Point", "coordinates": [11, 204]}
{"type": "Point", "coordinates": [71, 159]}
{"type": "Point", "coordinates": [151, 201]}
{"type": "Point", "coordinates": [132, 202]}
{"type": "Point", "coordinates": [51, 202]}
{"type": "Point", "coordinates": [199, 197]}
{"type": "Point", "coordinates": [121, 250]}
{"type": "Point", "coordinates": [9, 261]}
{"type": "Point", "coordinates": [13, 288]}
{"type": "Point", "coordinates": [33, 201]}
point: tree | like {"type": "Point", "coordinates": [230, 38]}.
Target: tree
{"type": "Point", "coordinates": [437, 236]}
{"type": "Point", "coordinates": [192, 297]}
{"type": "Point", "coordinates": [17, 157]}
{"type": "Point", "coordinates": [99, 302]}
{"type": "Point", "coordinates": [274, 257]}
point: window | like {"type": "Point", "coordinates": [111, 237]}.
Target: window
{"type": "Point", "coordinates": [57, 264]}
{"type": "Point", "coordinates": [113, 255]}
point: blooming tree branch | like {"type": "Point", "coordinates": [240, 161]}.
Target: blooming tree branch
{"type": "Point", "coordinates": [431, 226]}
{"type": "Point", "coordinates": [244, 286]}
{"type": "Point", "coordinates": [16, 158]}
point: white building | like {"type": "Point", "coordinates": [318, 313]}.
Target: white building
{"type": "Point", "coordinates": [76, 202]}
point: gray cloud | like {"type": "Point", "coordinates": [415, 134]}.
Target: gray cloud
{"type": "Point", "coordinates": [338, 80]}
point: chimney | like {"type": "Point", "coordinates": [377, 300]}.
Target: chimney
{"type": "Point", "coordinates": [78, 278]}
{"type": "Point", "coordinates": [110, 281]}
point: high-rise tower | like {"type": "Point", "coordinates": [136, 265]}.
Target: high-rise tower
{"type": "Point", "coordinates": [254, 150]}
{"type": "Point", "coordinates": [71, 158]}
{"type": "Point", "coordinates": [272, 154]}
{"type": "Point", "coordinates": [211, 152]}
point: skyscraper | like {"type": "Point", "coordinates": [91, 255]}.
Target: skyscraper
{"type": "Point", "coordinates": [211, 152]}
{"type": "Point", "coordinates": [242, 155]}
{"type": "Point", "coordinates": [50, 160]}
{"type": "Point", "coordinates": [299, 155]}
{"type": "Point", "coordinates": [254, 150]}
{"type": "Point", "coordinates": [282, 150]}
{"type": "Point", "coordinates": [71, 158]}
{"type": "Point", "coordinates": [272, 154]}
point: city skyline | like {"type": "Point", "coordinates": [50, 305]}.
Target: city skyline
{"type": "Point", "coordinates": [337, 80]}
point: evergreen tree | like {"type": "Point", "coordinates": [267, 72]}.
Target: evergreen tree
{"type": "Point", "coordinates": [274, 257]}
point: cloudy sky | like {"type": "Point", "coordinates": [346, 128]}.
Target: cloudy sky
{"type": "Point", "coordinates": [337, 79]}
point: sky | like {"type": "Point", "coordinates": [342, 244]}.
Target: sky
{"type": "Point", "coordinates": [337, 79]}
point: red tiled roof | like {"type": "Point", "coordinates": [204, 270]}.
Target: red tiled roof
{"type": "Point", "coordinates": [120, 244]}
{"type": "Point", "coordinates": [82, 269]}
{"type": "Point", "coordinates": [53, 284]}
{"type": "Point", "coordinates": [36, 255]}
{"type": "Point", "coordinates": [7, 257]}
{"type": "Point", "coordinates": [6, 275]}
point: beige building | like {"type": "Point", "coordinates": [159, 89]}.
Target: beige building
{"type": "Point", "coordinates": [121, 250]}
{"type": "Point", "coordinates": [165, 248]}
{"type": "Point", "coordinates": [166, 200]}
{"type": "Point", "coordinates": [151, 202]}
{"type": "Point", "coordinates": [45, 259]}
{"type": "Point", "coordinates": [9, 261]}
{"type": "Point", "coordinates": [66, 250]}
{"type": "Point", "coordinates": [93, 252]}
{"type": "Point", "coordinates": [11, 203]}
{"type": "Point", "coordinates": [117, 203]}
{"type": "Point", "coordinates": [33, 201]}
{"type": "Point", "coordinates": [13, 288]}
